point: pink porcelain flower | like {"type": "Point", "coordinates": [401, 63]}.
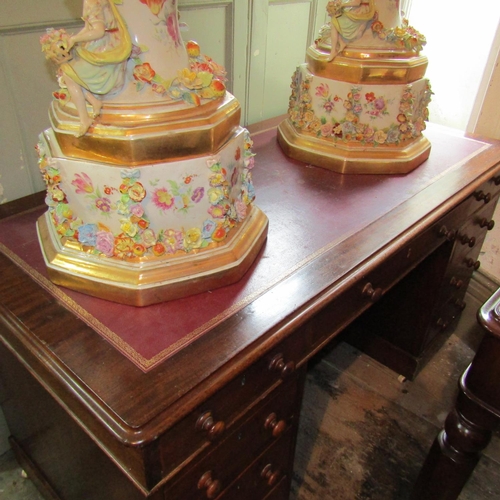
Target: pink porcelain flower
{"type": "Point", "coordinates": [172, 240]}
{"type": "Point", "coordinates": [241, 209]}
{"type": "Point", "coordinates": [137, 210]}
{"type": "Point", "coordinates": [105, 243]}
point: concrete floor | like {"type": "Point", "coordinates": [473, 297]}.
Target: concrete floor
{"type": "Point", "coordinates": [364, 431]}
{"type": "Point", "coordinates": [14, 485]}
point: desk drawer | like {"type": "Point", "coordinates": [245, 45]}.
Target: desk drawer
{"type": "Point", "coordinates": [400, 329]}
{"type": "Point", "coordinates": [377, 282]}
{"type": "Point", "coordinates": [483, 196]}
{"type": "Point", "coordinates": [218, 469]}
{"type": "Point", "coordinates": [471, 235]}
{"type": "Point", "coordinates": [464, 259]}
{"type": "Point", "coordinates": [214, 419]}
{"type": "Point", "coordinates": [264, 477]}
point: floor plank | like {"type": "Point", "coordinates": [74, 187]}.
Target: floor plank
{"type": "Point", "coordinates": [364, 431]}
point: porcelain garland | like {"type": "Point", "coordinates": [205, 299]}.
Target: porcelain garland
{"type": "Point", "coordinates": [132, 209]}
{"type": "Point", "coordinates": [377, 115]}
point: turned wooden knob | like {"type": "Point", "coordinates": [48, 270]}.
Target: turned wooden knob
{"type": "Point", "coordinates": [460, 304]}
{"type": "Point", "coordinates": [213, 429]}
{"type": "Point", "coordinates": [211, 486]}
{"type": "Point", "coordinates": [473, 263]}
{"type": "Point", "coordinates": [373, 293]}
{"type": "Point", "coordinates": [442, 324]}
{"type": "Point", "coordinates": [465, 240]}
{"type": "Point", "coordinates": [488, 224]}
{"type": "Point", "coordinates": [456, 283]}
{"type": "Point", "coordinates": [449, 234]}
{"type": "Point", "coordinates": [481, 195]}
{"type": "Point", "coordinates": [496, 180]}
{"type": "Point", "coordinates": [277, 427]}
{"type": "Point", "coordinates": [271, 477]}
{"type": "Point", "coordinates": [278, 364]}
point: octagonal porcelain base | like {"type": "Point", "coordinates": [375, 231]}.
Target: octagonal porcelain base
{"type": "Point", "coordinates": [152, 280]}
{"type": "Point", "coordinates": [352, 158]}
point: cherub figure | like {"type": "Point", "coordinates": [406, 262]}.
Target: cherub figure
{"type": "Point", "coordinates": [93, 61]}
{"type": "Point", "coordinates": [349, 19]}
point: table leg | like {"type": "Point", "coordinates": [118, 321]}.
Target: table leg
{"type": "Point", "coordinates": [469, 426]}
{"type": "Point", "coordinates": [457, 448]}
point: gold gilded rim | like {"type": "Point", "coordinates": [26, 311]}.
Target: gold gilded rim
{"type": "Point", "coordinates": [352, 158]}
{"type": "Point", "coordinates": [151, 281]}
{"type": "Point", "coordinates": [165, 113]}
{"type": "Point", "coordinates": [367, 67]}
{"type": "Point", "coordinates": [148, 143]}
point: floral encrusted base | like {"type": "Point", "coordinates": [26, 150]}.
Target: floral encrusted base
{"type": "Point", "coordinates": [142, 213]}
{"type": "Point", "coordinates": [362, 114]}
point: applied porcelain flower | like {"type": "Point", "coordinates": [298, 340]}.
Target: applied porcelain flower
{"type": "Point", "coordinates": [144, 73]}
{"type": "Point", "coordinates": [105, 243]}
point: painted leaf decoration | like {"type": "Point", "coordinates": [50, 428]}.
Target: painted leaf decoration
{"type": "Point", "coordinates": [175, 187]}
{"type": "Point", "coordinates": [205, 77]}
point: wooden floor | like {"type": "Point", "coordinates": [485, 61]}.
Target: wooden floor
{"type": "Point", "coordinates": [364, 432]}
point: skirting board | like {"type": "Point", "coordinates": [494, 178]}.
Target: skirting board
{"type": "Point", "coordinates": [482, 286]}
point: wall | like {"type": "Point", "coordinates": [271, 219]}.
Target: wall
{"type": "Point", "coordinates": [458, 47]}
{"type": "Point", "coordinates": [485, 120]}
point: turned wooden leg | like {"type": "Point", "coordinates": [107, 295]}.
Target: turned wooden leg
{"type": "Point", "coordinates": [468, 428]}
{"type": "Point", "coordinates": [456, 450]}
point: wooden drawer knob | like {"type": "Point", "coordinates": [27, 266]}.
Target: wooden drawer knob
{"type": "Point", "coordinates": [272, 477]}
{"type": "Point", "coordinates": [211, 486]}
{"type": "Point", "coordinates": [465, 240]}
{"type": "Point", "coordinates": [278, 364]}
{"type": "Point", "coordinates": [442, 324]}
{"type": "Point", "coordinates": [488, 224]}
{"type": "Point", "coordinates": [496, 180]}
{"type": "Point", "coordinates": [373, 293]}
{"type": "Point", "coordinates": [473, 263]}
{"type": "Point", "coordinates": [460, 304]}
{"type": "Point", "coordinates": [213, 429]}
{"type": "Point", "coordinates": [277, 427]}
{"type": "Point", "coordinates": [456, 283]}
{"type": "Point", "coordinates": [449, 234]}
{"type": "Point", "coordinates": [481, 195]}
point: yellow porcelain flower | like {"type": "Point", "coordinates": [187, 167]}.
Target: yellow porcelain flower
{"type": "Point", "coordinates": [189, 79]}
{"type": "Point", "coordinates": [128, 227]}
{"type": "Point", "coordinates": [380, 136]}
{"type": "Point", "coordinates": [193, 238]}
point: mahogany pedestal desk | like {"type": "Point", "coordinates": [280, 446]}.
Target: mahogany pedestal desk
{"type": "Point", "coordinates": [200, 397]}
{"type": "Point", "coordinates": [469, 426]}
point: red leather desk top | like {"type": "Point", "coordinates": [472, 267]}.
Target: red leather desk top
{"type": "Point", "coordinates": [310, 211]}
